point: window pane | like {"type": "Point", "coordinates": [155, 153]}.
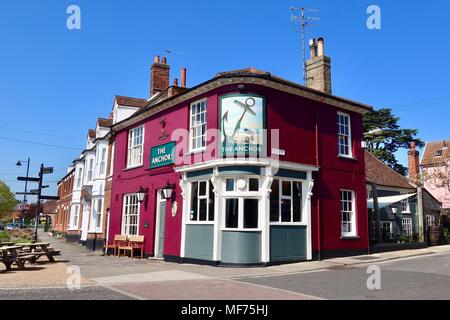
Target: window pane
{"type": "Point", "coordinates": [202, 188]}
{"type": "Point", "coordinates": [231, 213]}
{"type": "Point", "coordinates": [211, 203]}
{"type": "Point", "coordinates": [202, 208]}
{"type": "Point", "coordinates": [230, 185]}
{"type": "Point", "coordinates": [251, 213]}
{"type": "Point", "coordinates": [286, 188]}
{"type": "Point", "coordinates": [194, 197]}
{"type": "Point", "coordinates": [253, 184]}
{"type": "Point", "coordinates": [275, 201]}
{"type": "Point", "coordinates": [297, 202]}
{"type": "Point", "coordinates": [285, 210]}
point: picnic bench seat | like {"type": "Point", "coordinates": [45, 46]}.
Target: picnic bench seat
{"type": "Point", "coordinates": [119, 240]}
{"type": "Point", "coordinates": [135, 242]}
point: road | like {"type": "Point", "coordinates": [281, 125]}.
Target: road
{"type": "Point", "coordinates": [421, 277]}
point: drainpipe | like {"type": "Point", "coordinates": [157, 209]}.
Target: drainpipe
{"type": "Point", "coordinates": [376, 211]}
{"type": "Point", "coordinates": [107, 229]}
{"type": "Point", "coordinates": [319, 247]}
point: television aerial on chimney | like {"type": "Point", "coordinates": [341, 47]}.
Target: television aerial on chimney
{"type": "Point", "coordinates": [169, 51]}
{"type": "Point", "coordinates": [300, 14]}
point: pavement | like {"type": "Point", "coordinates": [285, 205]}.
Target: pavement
{"type": "Point", "coordinates": [83, 274]}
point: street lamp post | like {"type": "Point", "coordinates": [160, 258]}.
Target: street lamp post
{"type": "Point", "coordinates": [19, 164]}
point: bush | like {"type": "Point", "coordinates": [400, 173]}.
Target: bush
{"type": "Point", "coordinates": [19, 235]}
{"type": "Point", "coordinates": [404, 238]}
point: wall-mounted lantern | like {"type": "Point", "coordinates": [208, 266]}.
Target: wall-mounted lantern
{"type": "Point", "coordinates": [141, 194]}
{"type": "Point", "coordinates": [167, 190]}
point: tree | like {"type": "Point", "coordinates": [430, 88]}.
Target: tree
{"type": "Point", "coordinates": [7, 200]}
{"type": "Point", "coordinates": [384, 137]}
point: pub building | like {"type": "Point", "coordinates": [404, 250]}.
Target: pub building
{"type": "Point", "coordinates": [244, 169]}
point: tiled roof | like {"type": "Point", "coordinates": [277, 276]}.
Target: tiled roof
{"type": "Point", "coordinates": [430, 158]}
{"type": "Point", "coordinates": [131, 102]}
{"type": "Point", "coordinates": [91, 133]}
{"type": "Point", "coordinates": [379, 173]}
{"type": "Point", "coordinates": [104, 122]}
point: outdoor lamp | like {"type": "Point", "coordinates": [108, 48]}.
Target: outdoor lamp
{"type": "Point", "coordinates": [141, 194]}
{"type": "Point", "coordinates": [167, 190]}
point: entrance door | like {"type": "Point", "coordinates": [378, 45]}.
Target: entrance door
{"type": "Point", "coordinates": [160, 225]}
{"type": "Point", "coordinates": [85, 223]}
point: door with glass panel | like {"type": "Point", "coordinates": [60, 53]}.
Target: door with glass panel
{"type": "Point", "coordinates": [160, 225]}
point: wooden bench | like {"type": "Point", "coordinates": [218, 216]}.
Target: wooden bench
{"type": "Point", "coordinates": [119, 240]}
{"type": "Point", "coordinates": [135, 242]}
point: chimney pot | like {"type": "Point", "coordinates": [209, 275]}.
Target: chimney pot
{"type": "Point", "coordinates": [164, 60]}
{"type": "Point", "coordinates": [312, 48]}
{"type": "Point", "coordinates": [183, 77]}
{"type": "Point", "coordinates": [320, 47]}
{"type": "Point", "coordinates": [156, 59]}
{"type": "Point", "coordinates": [175, 82]}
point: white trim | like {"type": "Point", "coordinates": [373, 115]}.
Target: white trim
{"type": "Point", "coordinates": [185, 193]}
{"type": "Point", "coordinates": [123, 224]}
{"type": "Point", "coordinates": [159, 200]}
{"type": "Point", "coordinates": [354, 231]}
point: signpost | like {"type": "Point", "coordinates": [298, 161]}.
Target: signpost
{"type": "Point", "coordinates": [37, 192]}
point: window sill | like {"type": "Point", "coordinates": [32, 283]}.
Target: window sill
{"type": "Point", "coordinates": [292, 224]}
{"type": "Point", "coordinates": [242, 230]}
{"type": "Point", "coordinates": [350, 237]}
{"type": "Point", "coordinates": [200, 223]}
{"type": "Point", "coordinates": [192, 152]}
{"type": "Point", "coordinates": [351, 158]}
{"type": "Point", "coordinates": [133, 167]}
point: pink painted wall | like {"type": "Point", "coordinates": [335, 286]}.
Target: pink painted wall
{"type": "Point", "coordinates": [296, 118]}
{"type": "Point", "coordinates": [439, 193]}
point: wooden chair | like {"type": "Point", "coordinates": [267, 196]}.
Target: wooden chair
{"type": "Point", "coordinates": [135, 242]}
{"type": "Point", "coordinates": [119, 240]}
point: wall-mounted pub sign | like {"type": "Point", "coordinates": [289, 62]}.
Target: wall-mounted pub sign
{"type": "Point", "coordinates": [242, 125]}
{"type": "Point", "coordinates": [162, 155]}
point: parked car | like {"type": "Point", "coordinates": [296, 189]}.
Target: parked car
{"type": "Point", "coordinates": [13, 226]}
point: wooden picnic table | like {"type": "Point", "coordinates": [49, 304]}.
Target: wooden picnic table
{"type": "Point", "coordinates": [4, 244]}
{"type": "Point", "coordinates": [11, 254]}
{"type": "Point", "coordinates": [40, 249]}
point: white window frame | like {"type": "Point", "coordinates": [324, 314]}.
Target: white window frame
{"type": "Point", "coordinates": [97, 217]}
{"type": "Point", "coordinates": [199, 197]}
{"type": "Point", "coordinates": [407, 227]}
{"type": "Point", "coordinates": [193, 127]}
{"type": "Point", "coordinates": [132, 148]}
{"type": "Point", "coordinates": [90, 170]}
{"type": "Point", "coordinates": [241, 196]}
{"type": "Point", "coordinates": [102, 162]}
{"type": "Point", "coordinates": [125, 214]}
{"type": "Point", "coordinates": [74, 217]}
{"type": "Point", "coordinates": [79, 178]}
{"type": "Point", "coordinates": [352, 221]}
{"type": "Point", "coordinates": [405, 206]}
{"type": "Point", "coordinates": [347, 137]}
{"type": "Point", "coordinates": [291, 198]}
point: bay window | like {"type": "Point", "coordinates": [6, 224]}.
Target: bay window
{"type": "Point", "coordinates": [135, 147]}
{"type": "Point", "coordinates": [202, 201]}
{"type": "Point", "coordinates": [286, 201]}
{"type": "Point", "coordinates": [74, 218]}
{"type": "Point", "coordinates": [90, 173]}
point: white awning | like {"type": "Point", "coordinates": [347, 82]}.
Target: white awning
{"type": "Point", "coordinates": [387, 201]}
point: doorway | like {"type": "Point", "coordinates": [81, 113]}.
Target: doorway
{"type": "Point", "coordinates": [160, 224]}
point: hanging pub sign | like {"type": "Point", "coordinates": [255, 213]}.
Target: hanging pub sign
{"type": "Point", "coordinates": [242, 125]}
{"type": "Point", "coordinates": [162, 155]}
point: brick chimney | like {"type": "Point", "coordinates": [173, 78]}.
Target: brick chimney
{"type": "Point", "coordinates": [318, 67]}
{"type": "Point", "coordinates": [159, 76]}
{"type": "Point", "coordinates": [413, 164]}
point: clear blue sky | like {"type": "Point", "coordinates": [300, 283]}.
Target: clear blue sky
{"type": "Point", "coordinates": [55, 82]}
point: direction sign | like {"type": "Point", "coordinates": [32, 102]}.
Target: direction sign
{"type": "Point", "coordinates": [28, 179]}
{"type": "Point", "coordinates": [47, 170]}
{"type": "Point", "coordinates": [27, 193]}
{"type": "Point", "coordinates": [36, 191]}
{"type": "Point", "coordinates": [49, 198]}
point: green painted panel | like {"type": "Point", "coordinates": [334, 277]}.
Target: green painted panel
{"type": "Point", "coordinates": [241, 247]}
{"type": "Point", "coordinates": [199, 241]}
{"type": "Point", "coordinates": [287, 243]}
